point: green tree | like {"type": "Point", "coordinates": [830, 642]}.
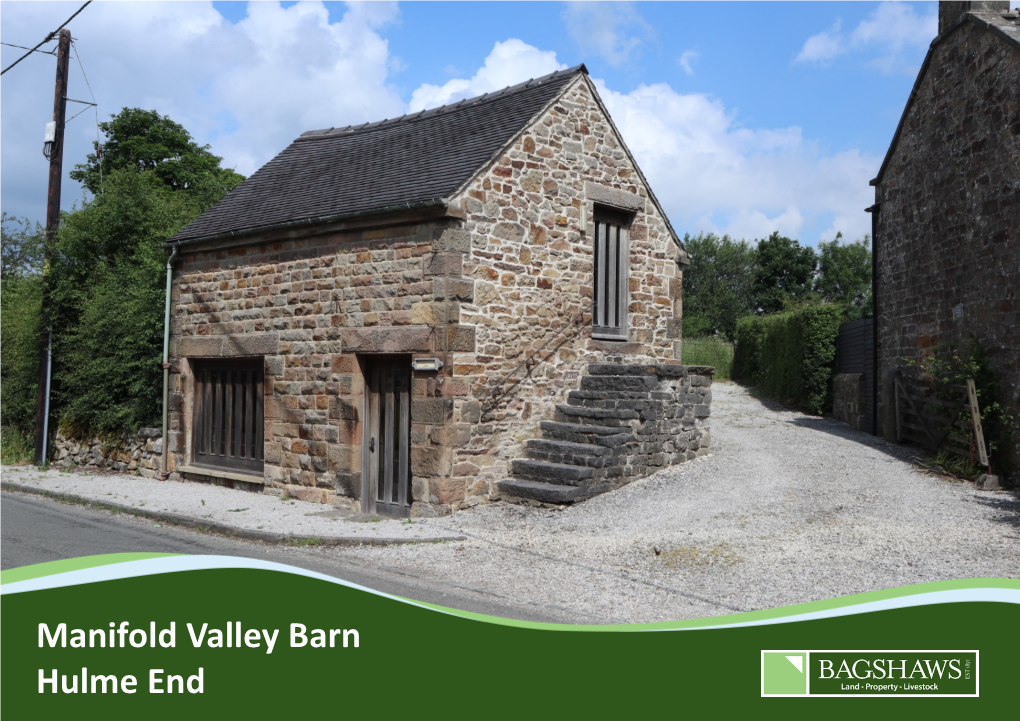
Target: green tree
{"type": "Point", "coordinates": [21, 249]}
{"type": "Point", "coordinates": [107, 275]}
{"type": "Point", "coordinates": [844, 275]}
{"type": "Point", "coordinates": [784, 273]}
{"type": "Point", "coordinates": [717, 284]}
{"type": "Point", "coordinates": [107, 286]}
{"type": "Point", "coordinates": [144, 140]}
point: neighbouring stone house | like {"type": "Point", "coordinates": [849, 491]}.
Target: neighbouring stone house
{"type": "Point", "coordinates": [947, 203]}
{"type": "Point", "coordinates": [473, 302]}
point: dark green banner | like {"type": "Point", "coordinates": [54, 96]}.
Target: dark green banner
{"type": "Point", "coordinates": [259, 643]}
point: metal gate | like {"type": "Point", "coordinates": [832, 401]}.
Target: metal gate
{"type": "Point", "coordinates": [386, 470]}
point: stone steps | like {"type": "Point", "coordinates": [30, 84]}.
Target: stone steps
{"type": "Point", "coordinates": [543, 445]}
{"type": "Point", "coordinates": [578, 454]}
{"type": "Point", "coordinates": [624, 422]}
{"type": "Point", "coordinates": [559, 473]}
{"type": "Point", "coordinates": [537, 491]}
{"type": "Point", "coordinates": [612, 417]}
{"type": "Point", "coordinates": [610, 437]}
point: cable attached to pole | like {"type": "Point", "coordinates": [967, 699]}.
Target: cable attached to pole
{"type": "Point", "coordinates": [48, 38]}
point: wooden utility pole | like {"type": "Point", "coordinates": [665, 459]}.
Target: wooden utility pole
{"type": "Point", "coordinates": [56, 155]}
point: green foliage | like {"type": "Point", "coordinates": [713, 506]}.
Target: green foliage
{"type": "Point", "coordinates": [20, 307]}
{"type": "Point", "coordinates": [784, 273]}
{"type": "Point", "coordinates": [143, 140]}
{"type": "Point", "coordinates": [952, 364]}
{"type": "Point", "coordinates": [792, 355]}
{"type": "Point", "coordinates": [844, 275]}
{"type": "Point", "coordinates": [15, 446]}
{"type": "Point", "coordinates": [712, 351]}
{"type": "Point", "coordinates": [717, 285]}
{"type": "Point", "coordinates": [106, 279]}
{"type": "Point", "coordinates": [108, 284]}
{"type": "Point", "coordinates": [21, 249]}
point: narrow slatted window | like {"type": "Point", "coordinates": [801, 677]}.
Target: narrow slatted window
{"type": "Point", "coordinates": [228, 416]}
{"type": "Point", "coordinates": [612, 263]}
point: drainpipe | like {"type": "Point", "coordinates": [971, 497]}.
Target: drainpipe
{"type": "Point", "coordinates": [166, 357]}
{"type": "Point", "coordinates": [46, 411]}
{"type": "Point", "coordinates": [876, 380]}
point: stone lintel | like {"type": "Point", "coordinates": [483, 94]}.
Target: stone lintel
{"type": "Point", "coordinates": [227, 346]}
{"type": "Point", "coordinates": [388, 339]}
{"type": "Point", "coordinates": [605, 195]}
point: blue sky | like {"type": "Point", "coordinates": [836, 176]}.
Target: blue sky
{"type": "Point", "coordinates": [746, 117]}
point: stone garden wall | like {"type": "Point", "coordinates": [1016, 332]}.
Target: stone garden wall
{"type": "Point", "coordinates": [139, 452]}
{"type": "Point", "coordinates": [848, 400]}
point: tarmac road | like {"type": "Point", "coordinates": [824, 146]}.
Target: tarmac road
{"type": "Point", "coordinates": [36, 530]}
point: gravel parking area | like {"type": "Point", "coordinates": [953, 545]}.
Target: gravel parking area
{"type": "Point", "coordinates": [789, 508]}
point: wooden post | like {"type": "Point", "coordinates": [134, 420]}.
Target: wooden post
{"type": "Point", "coordinates": [975, 419]}
{"type": "Point", "coordinates": [896, 391]}
{"type": "Point", "coordinates": [52, 223]}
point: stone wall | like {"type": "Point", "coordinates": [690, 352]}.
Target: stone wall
{"type": "Point", "coordinates": [532, 267]}
{"type": "Point", "coordinates": [311, 307]}
{"type": "Point", "coordinates": [139, 452]}
{"type": "Point", "coordinates": [848, 400]}
{"type": "Point", "coordinates": [625, 423]}
{"type": "Point", "coordinates": [947, 234]}
{"type": "Point", "coordinates": [499, 288]}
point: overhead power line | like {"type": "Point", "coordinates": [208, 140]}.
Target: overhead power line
{"type": "Point", "coordinates": [48, 38]}
{"type": "Point", "coordinates": [22, 47]}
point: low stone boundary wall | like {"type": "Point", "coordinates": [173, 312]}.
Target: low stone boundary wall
{"type": "Point", "coordinates": [138, 452]}
{"type": "Point", "coordinates": [848, 401]}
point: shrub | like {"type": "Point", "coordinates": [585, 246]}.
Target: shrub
{"type": "Point", "coordinates": [791, 355]}
{"type": "Point", "coordinates": [20, 306]}
{"type": "Point", "coordinates": [954, 364]}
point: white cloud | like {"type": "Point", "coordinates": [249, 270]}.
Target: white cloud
{"type": "Point", "coordinates": [248, 88]}
{"type": "Point", "coordinates": [889, 32]}
{"type": "Point", "coordinates": [712, 174]}
{"type": "Point", "coordinates": [510, 62]}
{"type": "Point", "coordinates": [823, 47]}
{"type": "Point", "coordinates": [687, 58]}
{"type": "Point", "coordinates": [613, 31]}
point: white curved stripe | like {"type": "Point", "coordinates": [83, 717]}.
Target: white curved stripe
{"type": "Point", "coordinates": [173, 564]}
{"type": "Point", "coordinates": [925, 598]}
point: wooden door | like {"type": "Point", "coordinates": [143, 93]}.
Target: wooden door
{"type": "Point", "coordinates": [228, 419]}
{"type": "Point", "coordinates": [386, 471]}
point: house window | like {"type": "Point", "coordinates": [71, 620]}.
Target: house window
{"type": "Point", "coordinates": [609, 313]}
{"type": "Point", "coordinates": [228, 420]}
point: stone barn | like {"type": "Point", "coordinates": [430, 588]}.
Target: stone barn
{"type": "Point", "coordinates": [946, 217]}
{"type": "Point", "coordinates": [414, 316]}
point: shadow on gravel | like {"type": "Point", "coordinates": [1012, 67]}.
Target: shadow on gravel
{"type": "Point", "coordinates": [905, 453]}
{"type": "Point", "coordinates": [1007, 506]}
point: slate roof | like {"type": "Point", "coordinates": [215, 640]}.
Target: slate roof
{"type": "Point", "coordinates": [414, 160]}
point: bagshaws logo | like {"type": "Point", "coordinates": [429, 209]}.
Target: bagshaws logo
{"type": "Point", "coordinates": [869, 673]}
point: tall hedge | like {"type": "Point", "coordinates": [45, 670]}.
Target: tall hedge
{"type": "Point", "coordinates": [20, 306]}
{"type": "Point", "coordinates": [791, 355]}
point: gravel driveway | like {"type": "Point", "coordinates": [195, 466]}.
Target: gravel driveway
{"type": "Point", "coordinates": [788, 508]}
